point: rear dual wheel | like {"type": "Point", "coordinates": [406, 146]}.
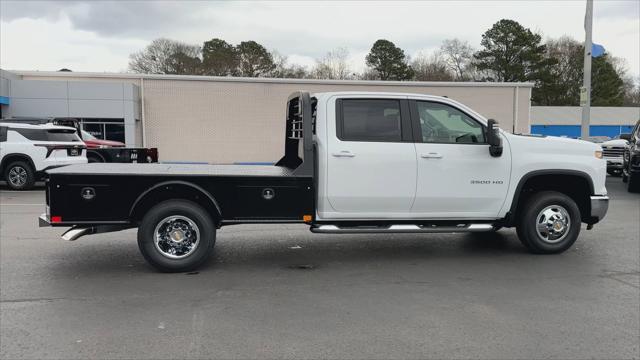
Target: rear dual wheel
{"type": "Point", "coordinates": [176, 236]}
{"type": "Point", "coordinates": [550, 223]}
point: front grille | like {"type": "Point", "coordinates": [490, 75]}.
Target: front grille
{"type": "Point", "coordinates": [612, 152]}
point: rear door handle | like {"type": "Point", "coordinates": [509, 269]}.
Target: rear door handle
{"type": "Point", "coordinates": [431, 155]}
{"type": "Point", "coordinates": [344, 153]}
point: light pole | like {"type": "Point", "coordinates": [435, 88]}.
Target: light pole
{"type": "Point", "coordinates": [585, 91]}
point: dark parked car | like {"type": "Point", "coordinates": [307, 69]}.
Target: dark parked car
{"type": "Point", "coordinates": [631, 159]}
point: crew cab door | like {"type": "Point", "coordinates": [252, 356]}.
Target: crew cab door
{"type": "Point", "coordinates": [457, 177]}
{"type": "Point", "coordinates": [371, 158]}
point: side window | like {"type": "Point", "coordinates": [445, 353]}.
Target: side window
{"type": "Point", "coordinates": [3, 133]}
{"type": "Point", "coordinates": [49, 135]}
{"type": "Point", "coordinates": [441, 123]}
{"type": "Point", "coordinates": [32, 134]}
{"type": "Point", "coordinates": [370, 120]}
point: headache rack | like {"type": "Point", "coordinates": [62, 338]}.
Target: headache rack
{"type": "Point", "coordinates": [299, 131]}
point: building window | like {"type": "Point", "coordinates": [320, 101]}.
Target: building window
{"type": "Point", "coordinates": [104, 129]}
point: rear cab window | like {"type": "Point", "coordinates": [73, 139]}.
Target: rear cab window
{"type": "Point", "coordinates": [374, 120]}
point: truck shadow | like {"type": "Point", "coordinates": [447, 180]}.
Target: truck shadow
{"type": "Point", "coordinates": [304, 252]}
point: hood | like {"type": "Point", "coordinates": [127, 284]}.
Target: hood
{"type": "Point", "coordinates": [96, 143]}
{"type": "Point", "coordinates": [554, 144]}
{"type": "Point", "coordinates": [615, 143]}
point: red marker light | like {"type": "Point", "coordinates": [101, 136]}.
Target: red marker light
{"type": "Point", "coordinates": [56, 219]}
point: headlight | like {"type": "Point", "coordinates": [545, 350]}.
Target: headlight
{"type": "Point", "coordinates": [598, 154]}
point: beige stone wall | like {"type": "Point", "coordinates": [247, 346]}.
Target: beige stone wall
{"type": "Point", "coordinates": [241, 120]}
{"type": "Point", "coordinates": [231, 122]}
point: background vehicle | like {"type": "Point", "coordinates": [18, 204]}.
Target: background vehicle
{"type": "Point", "coordinates": [631, 159]}
{"type": "Point", "coordinates": [93, 142]}
{"type": "Point", "coordinates": [354, 162]}
{"type": "Point", "coordinates": [612, 151]}
{"type": "Point", "coordinates": [26, 151]}
{"type": "Point", "coordinates": [596, 139]}
{"type": "Point", "coordinates": [98, 150]}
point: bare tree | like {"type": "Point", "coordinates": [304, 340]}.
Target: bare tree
{"type": "Point", "coordinates": [285, 70]}
{"type": "Point", "coordinates": [333, 66]}
{"type": "Point", "coordinates": [631, 86]}
{"type": "Point", "coordinates": [165, 56]}
{"type": "Point", "coordinates": [632, 92]}
{"type": "Point", "coordinates": [431, 68]}
{"type": "Point", "coordinates": [458, 56]}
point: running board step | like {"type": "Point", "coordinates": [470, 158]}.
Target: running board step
{"type": "Point", "coordinates": [400, 228]}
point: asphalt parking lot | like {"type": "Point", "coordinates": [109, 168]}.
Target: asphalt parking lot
{"type": "Point", "coordinates": [282, 292]}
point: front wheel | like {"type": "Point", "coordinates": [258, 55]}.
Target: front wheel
{"type": "Point", "coordinates": [549, 223]}
{"type": "Point", "coordinates": [176, 236]}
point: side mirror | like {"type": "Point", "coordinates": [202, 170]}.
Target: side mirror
{"type": "Point", "coordinates": [625, 137]}
{"type": "Point", "coordinates": [494, 139]}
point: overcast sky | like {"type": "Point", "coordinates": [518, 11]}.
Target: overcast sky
{"type": "Point", "coordinates": [100, 35]}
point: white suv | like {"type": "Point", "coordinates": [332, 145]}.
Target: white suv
{"type": "Point", "coordinates": [26, 151]}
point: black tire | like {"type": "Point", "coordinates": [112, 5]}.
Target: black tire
{"type": "Point", "coordinates": [554, 203]}
{"type": "Point", "coordinates": [633, 183]}
{"type": "Point", "coordinates": [157, 217]}
{"type": "Point", "coordinates": [19, 175]}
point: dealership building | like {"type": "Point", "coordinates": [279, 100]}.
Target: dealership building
{"type": "Point", "coordinates": [218, 119]}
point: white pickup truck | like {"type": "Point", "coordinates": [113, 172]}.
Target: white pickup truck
{"type": "Point", "coordinates": [354, 162]}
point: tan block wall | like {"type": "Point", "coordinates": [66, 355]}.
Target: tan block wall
{"type": "Point", "coordinates": [232, 120]}
{"type": "Point", "coordinates": [228, 122]}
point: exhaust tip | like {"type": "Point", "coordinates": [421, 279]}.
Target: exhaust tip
{"type": "Point", "coordinates": [75, 233]}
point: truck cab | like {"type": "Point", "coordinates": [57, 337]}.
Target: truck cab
{"type": "Point", "coordinates": [354, 162]}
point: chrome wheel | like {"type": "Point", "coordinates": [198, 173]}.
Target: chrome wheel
{"type": "Point", "coordinates": [176, 236]}
{"type": "Point", "coordinates": [17, 176]}
{"type": "Point", "coordinates": [553, 223]}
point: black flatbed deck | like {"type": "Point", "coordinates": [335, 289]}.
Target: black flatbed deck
{"type": "Point", "coordinates": [233, 193]}
{"type": "Point", "coordinates": [173, 170]}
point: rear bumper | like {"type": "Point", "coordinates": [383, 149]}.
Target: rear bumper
{"type": "Point", "coordinates": [599, 207]}
{"type": "Point", "coordinates": [43, 221]}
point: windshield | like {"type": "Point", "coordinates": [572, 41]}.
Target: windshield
{"type": "Point", "coordinates": [87, 136]}
{"type": "Point", "coordinates": [62, 135]}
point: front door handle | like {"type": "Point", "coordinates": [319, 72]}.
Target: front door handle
{"type": "Point", "coordinates": [344, 153]}
{"type": "Point", "coordinates": [431, 155]}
